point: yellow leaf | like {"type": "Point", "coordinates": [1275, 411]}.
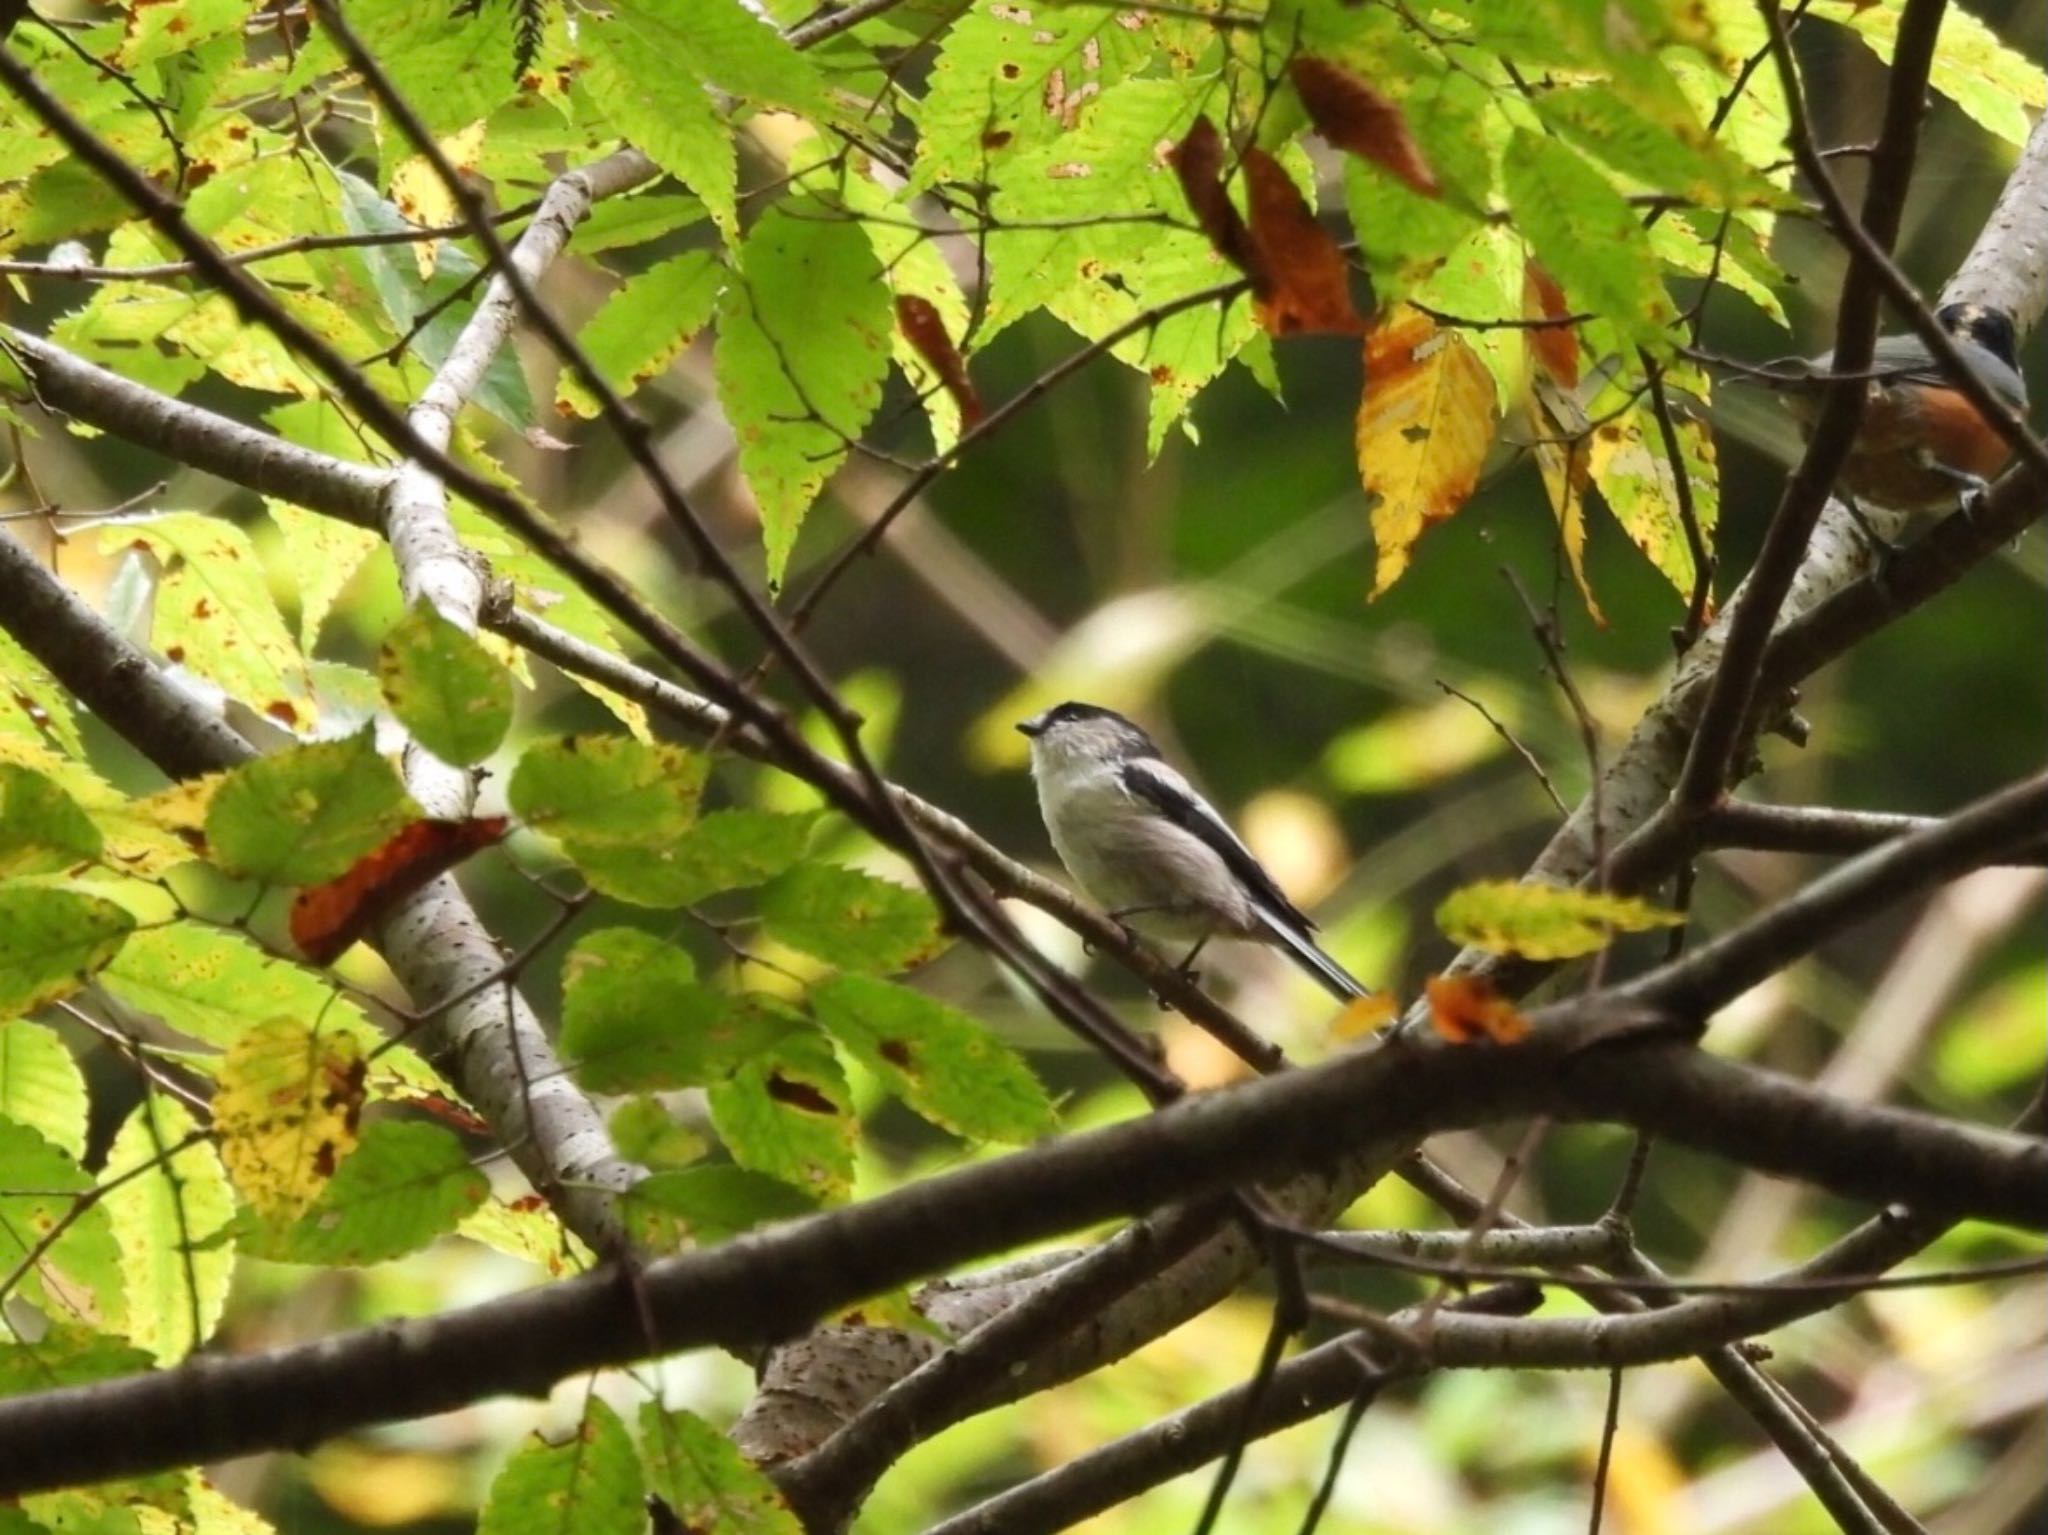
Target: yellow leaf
{"type": "Point", "coordinates": [1363, 1015]}
{"type": "Point", "coordinates": [423, 197]}
{"type": "Point", "coordinates": [1424, 427]}
{"type": "Point", "coordinates": [1543, 921]}
{"type": "Point", "coordinates": [1561, 451]}
{"type": "Point", "coordinates": [1628, 462]}
{"type": "Point", "coordinates": [287, 1113]}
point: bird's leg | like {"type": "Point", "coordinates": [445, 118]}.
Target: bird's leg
{"type": "Point", "coordinates": [1117, 915]}
{"type": "Point", "coordinates": [1970, 488]}
{"type": "Point", "coordinates": [1186, 967]}
{"type": "Point", "coordinates": [1885, 550]}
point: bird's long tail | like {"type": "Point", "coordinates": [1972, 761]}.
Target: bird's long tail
{"type": "Point", "coordinates": [1331, 976]}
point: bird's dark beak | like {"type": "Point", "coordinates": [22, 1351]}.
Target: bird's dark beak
{"type": "Point", "coordinates": [1035, 726]}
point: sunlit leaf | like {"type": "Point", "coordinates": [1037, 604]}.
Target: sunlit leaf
{"type": "Point", "coordinates": [786, 1112]}
{"type": "Point", "coordinates": [42, 829]}
{"type": "Point", "coordinates": [177, 1283]}
{"type": "Point", "coordinates": [33, 705]}
{"type": "Point", "coordinates": [41, 1085]}
{"type": "Point", "coordinates": [702, 1476]}
{"type": "Point", "coordinates": [1631, 464]}
{"type": "Point", "coordinates": [699, 1206]}
{"type": "Point", "coordinates": [634, 1017]}
{"type": "Point", "coordinates": [1544, 921]}
{"type": "Point", "coordinates": [1996, 85]}
{"type": "Point", "coordinates": [1424, 428]}
{"type": "Point", "coordinates": [321, 556]}
{"type": "Point", "coordinates": [287, 1113]}
{"type": "Point", "coordinates": [598, 792]}
{"type": "Point", "coordinates": [725, 850]}
{"type": "Point", "coordinates": [403, 1185]}
{"type": "Point", "coordinates": [644, 326]}
{"type": "Point", "coordinates": [76, 1274]}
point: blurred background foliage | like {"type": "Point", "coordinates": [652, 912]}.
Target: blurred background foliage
{"type": "Point", "coordinates": [1219, 595]}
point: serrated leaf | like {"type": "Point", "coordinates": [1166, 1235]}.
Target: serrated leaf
{"type": "Point", "coordinates": [77, 1275]}
{"type": "Point", "coordinates": [66, 1355]}
{"type": "Point", "coordinates": [725, 850]}
{"type": "Point", "coordinates": [1628, 461]}
{"type": "Point", "coordinates": [135, 840]}
{"type": "Point", "coordinates": [215, 984]}
{"type": "Point", "coordinates": [804, 339]}
{"type": "Point", "coordinates": [403, 1185]}
{"type": "Point", "coordinates": [320, 555]}
{"type": "Point", "coordinates": [644, 326]}
{"type": "Point", "coordinates": [1543, 921]}
{"type": "Point", "coordinates": [1424, 428]}
{"type": "Point", "coordinates": [445, 687]}
{"type": "Point", "coordinates": [1561, 451]}
{"type": "Point", "coordinates": [286, 1113]}
{"type": "Point", "coordinates": [667, 113]}
{"type": "Point", "coordinates": [600, 792]}
{"type": "Point", "coordinates": [850, 919]}
{"type": "Point", "coordinates": [701, 1474]}
{"type": "Point", "coordinates": [452, 67]}
{"type": "Point", "coordinates": [1588, 238]}
{"type": "Point", "coordinates": [33, 705]}
{"type": "Point", "coordinates": [1481, 279]}
{"type": "Point", "coordinates": [303, 815]}
{"type": "Point", "coordinates": [589, 1483]}
{"type": "Point", "coordinates": [42, 829]}
{"type": "Point", "coordinates": [41, 1085]}
{"type": "Point", "coordinates": [634, 1018]}
{"type": "Point", "coordinates": [213, 612]}
{"type": "Point", "coordinates": [787, 1113]}
{"type": "Point", "coordinates": [640, 219]}
{"type": "Point", "coordinates": [51, 943]}
{"type": "Point", "coordinates": [528, 1230]}
{"type": "Point", "coordinates": [1995, 85]}
{"type": "Point", "coordinates": [947, 1066]}
{"type": "Point", "coordinates": [177, 1284]}
{"type": "Point", "coordinates": [699, 1206]}
{"type": "Point", "coordinates": [1013, 75]}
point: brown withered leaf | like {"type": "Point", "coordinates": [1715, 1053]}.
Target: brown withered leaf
{"type": "Point", "coordinates": [1556, 346]}
{"type": "Point", "coordinates": [918, 319]}
{"type": "Point", "coordinates": [1198, 163]}
{"type": "Point", "coordinates": [1465, 1009]}
{"type": "Point", "coordinates": [1308, 285]}
{"type": "Point", "coordinates": [1424, 428]}
{"type": "Point", "coordinates": [326, 919]}
{"type": "Point", "coordinates": [1355, 118]}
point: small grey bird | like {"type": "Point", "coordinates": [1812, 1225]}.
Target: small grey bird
{"type": "Point", "coordinates": [1144, 844]}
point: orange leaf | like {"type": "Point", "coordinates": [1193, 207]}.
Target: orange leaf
{"type": "Point", "coordinates": [1353, 116]}
{"type": "Point", "coordinates": [1424, 428]}
{"type": "Point", "coordinates": [1308, 283]}
{"type": "Point", "coordinates": [327, 918]}
{"type": "Point", "coordinates": [1362, 1015]}
{"type": "Point", "coordinates": [1198, 163]}
{"type": "Point", "coordinates": [1466, 1009]}
{"type": "Point", "coordinates": [1556, 346]}
{"type": "Point", "coordinates": [918, 319]}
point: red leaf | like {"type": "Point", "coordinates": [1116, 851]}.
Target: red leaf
{"type": "Point", "coordinates": [919, 321]}
{"type": "Point", "coordinates": [1308, 283]}
{"type": "Point", "coordinates": [327, 918]}
{"type": "Point", "coordinates": [1353, 116]}
{"type": "Point", "coordinates": [1556, 346]}
{"type": "Point", "coordinates": [1198, 162]}
{"type": "Point", "coordinates": [1466, 1009]}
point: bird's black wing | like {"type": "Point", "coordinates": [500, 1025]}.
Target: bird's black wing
{"type": "Point", "coordinates": [1164, 790]}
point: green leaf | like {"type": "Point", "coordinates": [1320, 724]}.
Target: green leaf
{"type": "Point", "coordinates": [77, 1277]}
{"type": "Point", "coordinates": [725, 850]}
{"type": "Point", "coordinates": [445, 687]}
{"type": "Point", "coordinates": [177, 1284]}
{"type": "Point", "coordinates": [33, 704]}
{"type": "Point", "coordinates": [667, 113]}
{"type": "Point", "coordinates": [452, 66]}
{"type": "Point", "coordinates": [65, 1355]}
{"type": "Point", "coordinates": [804, 338]}
{"type": "Point", "coordinates": [154, 31]}
{"type": "Point", "coordinates": [1012, 76]}
{"type": "Point", "coordinates": [597, 791]}
{"type": "Point", "coordinates": [947, 1066]}
{"type": "Point", "coordinates": [850, 919]}
{"type": "Point", "coordinates": [787, 1113]}
{"type": "Point", "coordinates": [214, 984]}
{"type": "Point", "coordinates": [1543, 921]}
{"type": "Point", "coordinates": [214, 614]}
{"type": "Point", "coordinates": [319, 554]}
{"type": "Point", "coordinates": [42, 829]}
{"type": "Point", "coordinates": [589, 1484]}
{"type": "Point", "coordinates": [41, 1085]}
{"type": "Point", "coordinates": [645, 1132]}
{"type": "Point", "coordinates": [701, 1474]}
{"type": "Point", "coordinates": [51, 942]}
{"type": "Point", "coordinates": [1588, 238]}
{"type": "Point", "coordinates": [636, 220]}
{"type": "Point", "coordinates": [304, 815]}
{"type": "Point", "coordinates": [644, 326]}
{"type": "Point", "coordinates": [1995, 85]}
{"type": "Point", "coordinates": [698, 1206]}
{"type": "Point", "coordinates": [635, 1019]}
{"type": "Point", "coordinates": [728, 44]}
{"type": "Point", "coordinates": [404, 1184]}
